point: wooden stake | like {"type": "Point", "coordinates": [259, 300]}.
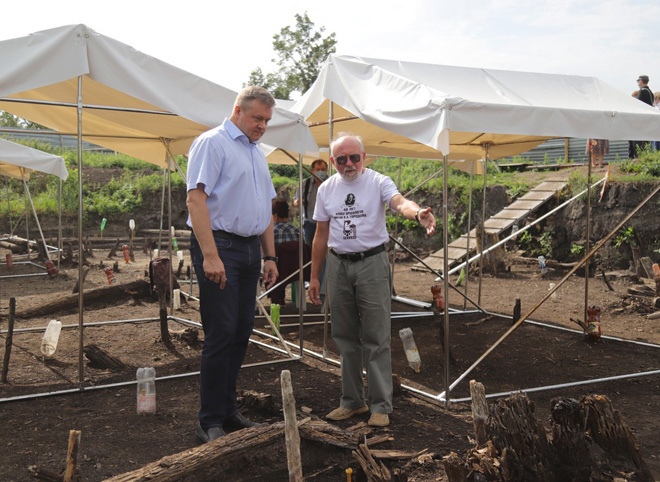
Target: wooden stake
{"type": "Point", "coordinates": [9, 339]}
{"type": "Point", "coordinates": [79, 282]}
{"type": "Point", "coordinates": [72, 455]}
{"type": "Point", "coordinates": [517, 308]}
{"type": "Point", "coordinates": [291, 429]}
{"type": "Point", "coordinates": [479, 411]}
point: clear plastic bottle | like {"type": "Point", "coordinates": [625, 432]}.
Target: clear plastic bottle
{"type": "Point", "coordinates": [146, 390]}
{"type": "Point", "coordinates": [410, 348]}
{"type": "Point", "coordinates": [553, 296]}
{"type": "Point", "coordinates": [51, 337]}
{"type": "Point", "coordinates": [542, 265]}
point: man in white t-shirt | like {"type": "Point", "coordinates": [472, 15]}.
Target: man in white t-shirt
{"type": "Point", "coordinates": [350, 220]}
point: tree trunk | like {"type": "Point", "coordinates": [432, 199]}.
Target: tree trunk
{"type": "Point", "coordinates": [69, 302]}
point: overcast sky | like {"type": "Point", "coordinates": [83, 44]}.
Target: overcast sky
{"type": "Point", "coordinates": [614, 40]}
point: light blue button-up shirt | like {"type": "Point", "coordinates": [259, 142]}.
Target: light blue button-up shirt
{"type": "Point", "coordinates": [235, 175]}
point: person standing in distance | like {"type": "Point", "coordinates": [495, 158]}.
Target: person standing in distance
{"type": "Point", "coordinates": [350, 220]}
{"type": "Point", "coordinates": [310, 188]}
{"type": "Point", "coordinates": [229, 202]}
{"type": "Point", "coordinates": [645, 94]}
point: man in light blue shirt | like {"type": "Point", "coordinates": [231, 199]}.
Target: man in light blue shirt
{"type": "Point", "coordinates": [229, 202]}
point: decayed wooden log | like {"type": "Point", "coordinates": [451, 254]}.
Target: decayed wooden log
{"type": "Point", "coordinates": [589, 440]}
{"type": "Point", "coordinates": [479, 411]}
{"type": "Point", "coordinates": [321, 431]}
{"type": "Point", "coordinates": [207, 461]}
{"type": "Point", "coordinates": [520, 439]}
{"type": "Point", "coordinates": [134, 288]}
{"type": "Point", "coordinates": [493, 261]}
{"type": "Point", "coordinates": [102, 359]}
{"type": "Point", "coordinates": [454, 468]}
{"type": "Point", "coordinates": [374, 469]}
{"type": "Point", "coordinates": [569, 439]}
{"type": "Point", "coordinates": [608, 429]}
{"type": "Point", "coordinates": [223, 458]}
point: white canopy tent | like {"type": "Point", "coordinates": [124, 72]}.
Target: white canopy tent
{"type": "Point", "coordinates": [18, 161]}
{"type": "Point", "coordinates": [131, 102]}
{"type": "Point", "coordinates": [76, 81]}
{"type": "Point", "coordinates": [419, 110]}
{"type": "Point", "coordinates": [460, 114]}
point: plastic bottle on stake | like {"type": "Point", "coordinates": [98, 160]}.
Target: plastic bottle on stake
{"type": "Point", "coordinates": [51, 337]}
{"type": "Point", "coordinates": [410, 347]}
{"type": "Point", "coordinates": [103, 222]}
{"type": "Point", "coordinates": [146, 390]}
{"type": "Point", "coordinates": [175, 244]}
{"type": "Point", "coordinates": [127, 253]}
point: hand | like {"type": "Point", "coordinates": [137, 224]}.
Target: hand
{"type": "Point", "coordinates": [314, 291]}
{"type": "Point", "coordinates": [427, 220]}
{"type": "Point", "coordinates": [214, 269]}
{"type": "Point", "coordinates": [270, 273]}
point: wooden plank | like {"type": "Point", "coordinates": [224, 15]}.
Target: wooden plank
{"type": "Point", "coordinates": [537, 196]}
{"type": "Point", "coordinates": [529, 205]}
{"type": "Point", "coordinates": [462, 242]}
{"type": "Point", "coordinates": [452, 253]}
{"type": "Point", "coordinates": [552, 186]}
{"type": "Point", "coordinates": [494, 225]}
{"type": "Point", "coordinates": [511, 214]}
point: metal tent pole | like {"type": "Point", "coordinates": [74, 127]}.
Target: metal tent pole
{"type": "Point", "coordinates": [34, 212]}
{"type": "Point", "coordinates": [326, 303]}
{"type": "Point", "coordinates": [588, 243]}
{"type": "Point", "coordinates": [467, 248]}
{"type": "Point", "coordinates": [445, 270]}
{"type": "Point", "coordinates": [60, 244]}
{"type": "Point", "coordinates": [81, 316]}
{"type": "Point", "coordinates": [301, 273]}
{"type": "Point", "coordinates": [483, 220]}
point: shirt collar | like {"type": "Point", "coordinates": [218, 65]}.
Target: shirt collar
{"type": "Point", "coordinates": [235, 133]}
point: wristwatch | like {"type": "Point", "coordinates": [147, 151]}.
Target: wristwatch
{"type": "Point", "coordinates": [271, 258]}
{"type": "Point", "coordinates": [417, 214]}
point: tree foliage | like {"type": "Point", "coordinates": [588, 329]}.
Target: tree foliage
{"type": "Point", "coordinates": [301, 51]}
{"type": "Point", "coordinates": [11, 120]}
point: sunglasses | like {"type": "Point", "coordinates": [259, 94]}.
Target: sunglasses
{"type": "Point", "coordinates": [341, 160]}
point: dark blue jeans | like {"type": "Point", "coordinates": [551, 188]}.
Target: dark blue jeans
{"type": "Point", "coordinates": [227, 318]}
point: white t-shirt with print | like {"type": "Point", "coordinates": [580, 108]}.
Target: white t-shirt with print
{"type": "Point", "coordinates": [356, 210]}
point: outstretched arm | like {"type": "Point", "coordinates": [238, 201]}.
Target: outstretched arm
{"type": "Point", "coordinates": [411, 210]}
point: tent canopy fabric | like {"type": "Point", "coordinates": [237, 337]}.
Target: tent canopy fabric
{"type": "Point", "coordinates": [18, 161]}
{"type": "Point", "coordinates": [408, 109]}
{"type": "Point", "coordinates": [132, 103]}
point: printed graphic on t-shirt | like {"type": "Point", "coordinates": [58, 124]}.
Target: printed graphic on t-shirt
{"type": "Point", "coordinates": [349, 213]}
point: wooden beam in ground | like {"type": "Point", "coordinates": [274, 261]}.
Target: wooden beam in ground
{"type": "Point", "coordinates": [292, 437]}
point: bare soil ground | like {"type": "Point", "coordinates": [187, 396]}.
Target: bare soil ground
{"type": "Point", "coordinates": [34, 431]}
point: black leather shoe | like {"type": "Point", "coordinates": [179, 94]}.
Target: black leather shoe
{"type": "Point", "coordinates": [208, 434]}
{"type": "Point", "coordinates": [238, 422]}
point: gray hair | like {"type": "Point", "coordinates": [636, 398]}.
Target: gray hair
{"type": "Point", "coordinates": [253, 92]}
{"type": "Point", "coordinates": [343, 135]}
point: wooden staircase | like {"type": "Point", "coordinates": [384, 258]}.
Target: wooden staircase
{"type": "Point", "coordinates": [505, 219]}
